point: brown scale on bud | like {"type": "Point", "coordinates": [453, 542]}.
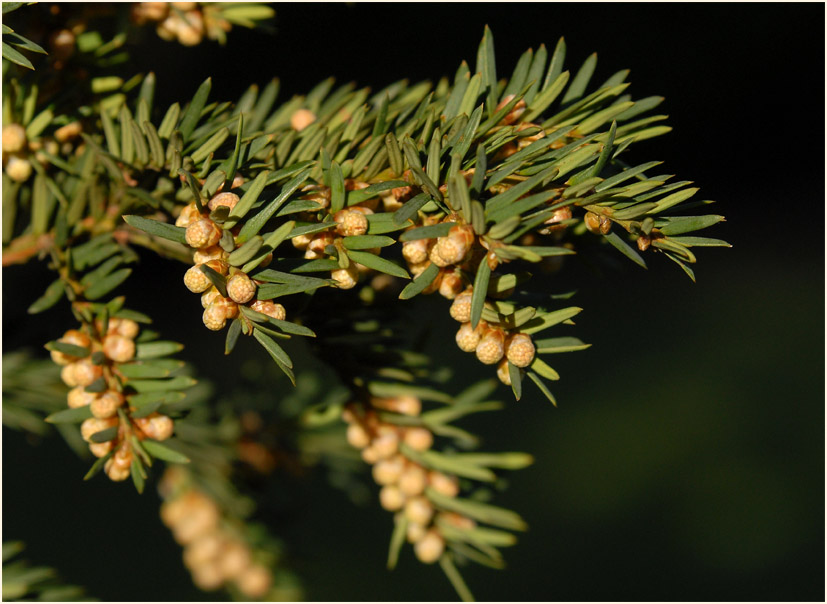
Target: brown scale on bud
{"type": "Point", "coordinates": [196, 280]}
{"type": "Point", "coordinates": [643, 243]}
{"type": "Point", "coordinates": [592, 221]}
{"type": "Point", "coordinates": [389, 202]}
{"type": "Point", "coordinates": [214, 317]}
{"type": "Point", "coordinates": [301, 119]}
{"type": "Point", "coordinates": [115, 472]}
{"type": "Point", "coordinates": [516, 111]}
{"type": "Point", "coordinates": [78, 397]}
{"type": "Point", "coordinates": [269, 308]}
{"type": "Point", "coordinates": [345, 278]}
{"type": "Point", "coordinates": [502, 372]}
{"type": "Point", "coordinates": [461, 307]}
{"type": "Point", "coordinates": [429, 549]}
{"type": "Point", "coordinates": [443, 484]}
{"type": "Point", "coordinates": [552, 224]}
{"type": "Point", "coordinates": [391, 498]}
{"type": "Point", "coordinates": [451, 286]}
{"type": "Point", "coordinates": [520, 350]}
{"type": "Point", "coordinates": [469, 338]}
{"type": "Point", "coordinates": [188, 215]}
{"type": "Point", "coordinates": [119, 348]}
{"type": "Point", "coordinates": [492, 260]}
{"type": "Point", "coordinates": [93, 425]}
{"type": "Point", "coordinates": [223, 199]}
{"type": "Point", "coordinates": [418, 510]}
{"type": "Point", "coordinates": [418, 438]}
{"type": "Point", "coordinates": [351, 223]}
{"type": "Point", "coordinates": [214, 252]}
{"type": "Point", "coordinates": [454, 247]}
{"type": "Point", "coordinates": [203, 233]}
{"type": "Point", "coordinates": [107, 404]}
{"type": "Point", "coordinates": [605, 225]}
{"type": "Point", "coordinates": [14, 138]}
{"type": "Point", "coordinates": [416, 251]}
{"type": "Point", "coordinates": [491, 347]}
{"type": "Point", "coordinates": [241, 288]}
{"type": "Point", "coordinates": [86, 372]}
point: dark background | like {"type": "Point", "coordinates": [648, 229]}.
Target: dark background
{"type": "Point", "coordinates": [686, 458]}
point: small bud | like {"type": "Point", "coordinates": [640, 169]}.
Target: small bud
{"type": "Point", "coordinates": [388, 471]}
{"type": "Point", "coordinates": [430, 547]}
{"type": "Point", "coordinates": [128, 328]}
{"type": "Point", "coordinates": [414, 532]}
{"type": "Point", "coordinates": [491, 347]}
{"type": "Point", "coordinates": [461, 306]}
{"type": "Point", "coordinates": [269, 308]}
{"type": "Point", "coordinates": [520, 350]}
{"type": "Point", "coordinates": [210, 253]}
{"type": "Point", "coordinates": [434, 255]}
{"type": "Point", "coordinates": [469, 338]}
{"type": "Point", "coordinates": [351, 223]}
{"type": "Point", "coordinates": [370, 455]}
{"type": "Point", "coordinates": [413, 480]}
{"type": "Point", "coordinates": [78, 397]}
{"type": "Point", "coordinates": [68, 132]}
{"type": "Point", "coordinates": [502, 372]}
{"type": "Point", "coordinates": [107, 404]}
{"type": "Point", "coordinates": [419, 510]}
{"type": "Point", "coordinates": [451, 286]}
{"type": "Point", "coordinates": [300, 242]}
{"type": "Point", "coordinates": [386, 443]}
{"type": "Point", "coordinates": [101, 449]}
{"type": "Point", "coordinates": [230, 307]}
{"type": "Point", "coordinates": [416, 251]}
{"type": "Point", "coordinates": [214, 317]}
{"type": "Point", "coordinates": [443, 484]}
{"type": "Point", "coordinates": [118, 348]}
{"type": "Point", "coordinates": [223, 199]}
{"type": "Point", "coordinates": [458, 520]}
{"type": "Point", "coordinates": [454, 247]}
{"type": "Point", "coordinates": [301, 119]}
{"type": "Point", "coordinates": [14, 138]}
{"type": "Point", "coordinates": [67, 374]}
{"type": "Point", "coordinates": [605, 225]}
{"type": "Point", "coordinates": [404, 404]}
{"type": "Point", "coordinates": [93, 425]}
{"type": "Point", "coordinates": [86, 372]}
{"type": "Point", "coordinates": [241, 288]}
{"type": "Point", "coordinates": [156, 426]}
{"type": "Point", "coordinates": [203, 550]}
{"type": "Point", "coordinates": [18, 169]}
{"type": "Point", "coordinates": [492, 260]}
{"type": "Point", "coordinates": [115, 472]}
{"type": "Point", "coordinates": [188, 215]}
{"type": "Point", "coordinates": [357, 436]}
{"type": "Point", "coordinates": [418, 438]}
{"type": "Point", "coordinates": [317, 245]}
{"type": "Point", "coordinates": [196, 280]}
{"type": "Point", "coordinates": [208, 577]}
{"type": "Point", "coordinates": [255, 582]}
{"type": "Point", "coordinates": [203, 233]}
{"type": "Point", "coordinates": [345, 278]}
{"type": "Point", "coordinates": [391, 498]}
{"type": "Point", "coordinates": [234, 558]}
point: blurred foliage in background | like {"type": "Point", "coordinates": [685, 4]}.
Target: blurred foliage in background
{"type": "Point", "coordinates": [686, 458]}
